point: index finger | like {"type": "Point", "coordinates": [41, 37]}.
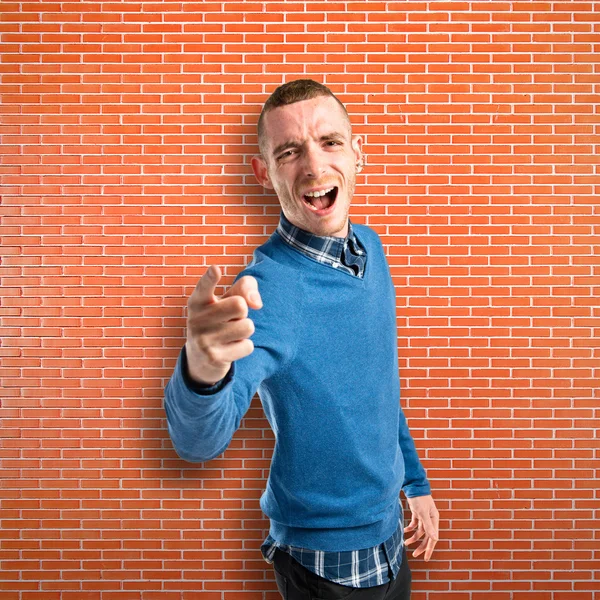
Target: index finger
{"type": "Point", "coordinates": [204, 292]}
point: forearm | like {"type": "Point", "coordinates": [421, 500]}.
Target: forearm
{"type": "Point", "coordinates": [201, 422]}
{"type": "Point", "coordinates": [415, 479]}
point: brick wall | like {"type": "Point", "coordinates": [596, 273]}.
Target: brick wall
{"type": "Point", "coordinates": [127, 130]}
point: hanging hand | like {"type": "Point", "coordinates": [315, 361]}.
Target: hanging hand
{"type": "Point", "coordinates": [426, 521]}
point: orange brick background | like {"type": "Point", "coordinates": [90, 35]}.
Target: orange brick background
{"type": "Point", "coordinates": [127, 130]}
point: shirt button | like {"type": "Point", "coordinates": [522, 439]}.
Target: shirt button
{"type": "Point", "coordinates": [334, 265]}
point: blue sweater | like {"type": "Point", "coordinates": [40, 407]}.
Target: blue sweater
{"type": "Point", "coordinates": [325, 365]}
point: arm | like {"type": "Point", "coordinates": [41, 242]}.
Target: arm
{"type": "Point", "coordinates": [202, 418]}
{"type": "Point", "coordinates": [415, 480]}
{"type": "Point", "coordinates": [424, 514]}
{"type": "Point", "coordinates": [202, 422]}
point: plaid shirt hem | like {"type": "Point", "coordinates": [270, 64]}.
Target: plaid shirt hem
{"type": "Point", "coordinates": [353, 568]}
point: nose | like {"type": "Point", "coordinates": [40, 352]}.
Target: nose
{"type": "Point", "coordinates": [314, 165]}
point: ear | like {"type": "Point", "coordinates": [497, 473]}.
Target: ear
{"type": "Point", "coordinates": [259, 166]}
{"type": "Point", "coordinates": [357, 147]}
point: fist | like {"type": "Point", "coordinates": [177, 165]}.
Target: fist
{"type": "Point", "coordinates": [218, 329]}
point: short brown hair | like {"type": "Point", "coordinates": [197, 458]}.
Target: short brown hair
{"type": "Point", "coordinates": [289, 93]}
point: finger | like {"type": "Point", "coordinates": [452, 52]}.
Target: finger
{"type": "Point", "coordinates": [204, 292]}
{"type": "Point", "coordinates": [220, 333]}
{"type": "Point", "coordinates": [434, 535]}
{"type": "Point", "coordinates": [225, 354]}
{"type": "Point", "coordinates": [412, 525]}
{"type": "Point", "coordinates": [247, 288]}
{"type": "Point", "coordinates": [429, 525]}
{"type": "Point", "coordinates": [235, 331]}
{"type": "Point", "coordinates": [221, 323]}
{"type": "Point", "coordinates": [432, 525]}
{"type": "Point", "coordinates": [235, 351]}
{"type": "Point", "coordinates": [210, 318]}
{"type": "Point", "coordinates": [431, 531]}
{"type": "Point", "coordinates": [430, 548]}
{"type": "Point", "coordinates": [421, 548]}
{"type": "Point", "coordinates": [416, 536]}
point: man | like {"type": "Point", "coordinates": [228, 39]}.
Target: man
{"type": "Point", "coordinates": [319, 302]}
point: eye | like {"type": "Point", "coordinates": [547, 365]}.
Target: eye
{"type": "Point", "coordinates": [286, 154]}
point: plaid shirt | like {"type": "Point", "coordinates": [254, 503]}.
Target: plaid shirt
{"type": "Point", "coordinates": [346, 254]}
{"type": "Point", "coordinates": [354, 568]}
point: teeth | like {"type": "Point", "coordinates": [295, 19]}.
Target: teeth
{"type": "Point", "coordinates": [317, 194]}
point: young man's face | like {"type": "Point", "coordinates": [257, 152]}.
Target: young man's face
{"type": "Point", "coordinates": [310, 149]}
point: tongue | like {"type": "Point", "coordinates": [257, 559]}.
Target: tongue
{"type": "Point", "coordinates": [321, 202]}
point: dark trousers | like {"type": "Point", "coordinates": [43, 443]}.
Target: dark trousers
{"type": "Point", "coordinates": [295, 582]}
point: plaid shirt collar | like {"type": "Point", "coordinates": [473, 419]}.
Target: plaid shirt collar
{"type": "Point", "coordinates": [345, 253]}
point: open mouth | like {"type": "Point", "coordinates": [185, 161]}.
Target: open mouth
{"type": "Point", "coordinates": [321, 200]}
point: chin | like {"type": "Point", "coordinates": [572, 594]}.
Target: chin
{"type": "Point", "coordinates": [333, 230]}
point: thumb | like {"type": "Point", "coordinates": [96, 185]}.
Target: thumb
{"type": "Point", "coordinates": [247, 287]}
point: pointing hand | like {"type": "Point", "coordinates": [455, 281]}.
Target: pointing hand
{"type": "Point", "coordinates": [218, 329]}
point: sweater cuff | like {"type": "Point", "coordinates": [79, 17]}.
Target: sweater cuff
{"type": "Point", "coordinates": [414, 490]}
{"type": "Point", "coordinates": [199, 388]}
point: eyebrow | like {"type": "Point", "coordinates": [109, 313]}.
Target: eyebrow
{"type": "Point", "coordinates": [296, 143]}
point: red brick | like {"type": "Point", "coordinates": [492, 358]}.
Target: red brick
{"type": "Point", "coordinates": [125, 140]}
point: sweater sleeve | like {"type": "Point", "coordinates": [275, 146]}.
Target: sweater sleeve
{"type": "Point", "coordinates": [415, 480]}
{"type": "Point", "coordinates": [202, 420]}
